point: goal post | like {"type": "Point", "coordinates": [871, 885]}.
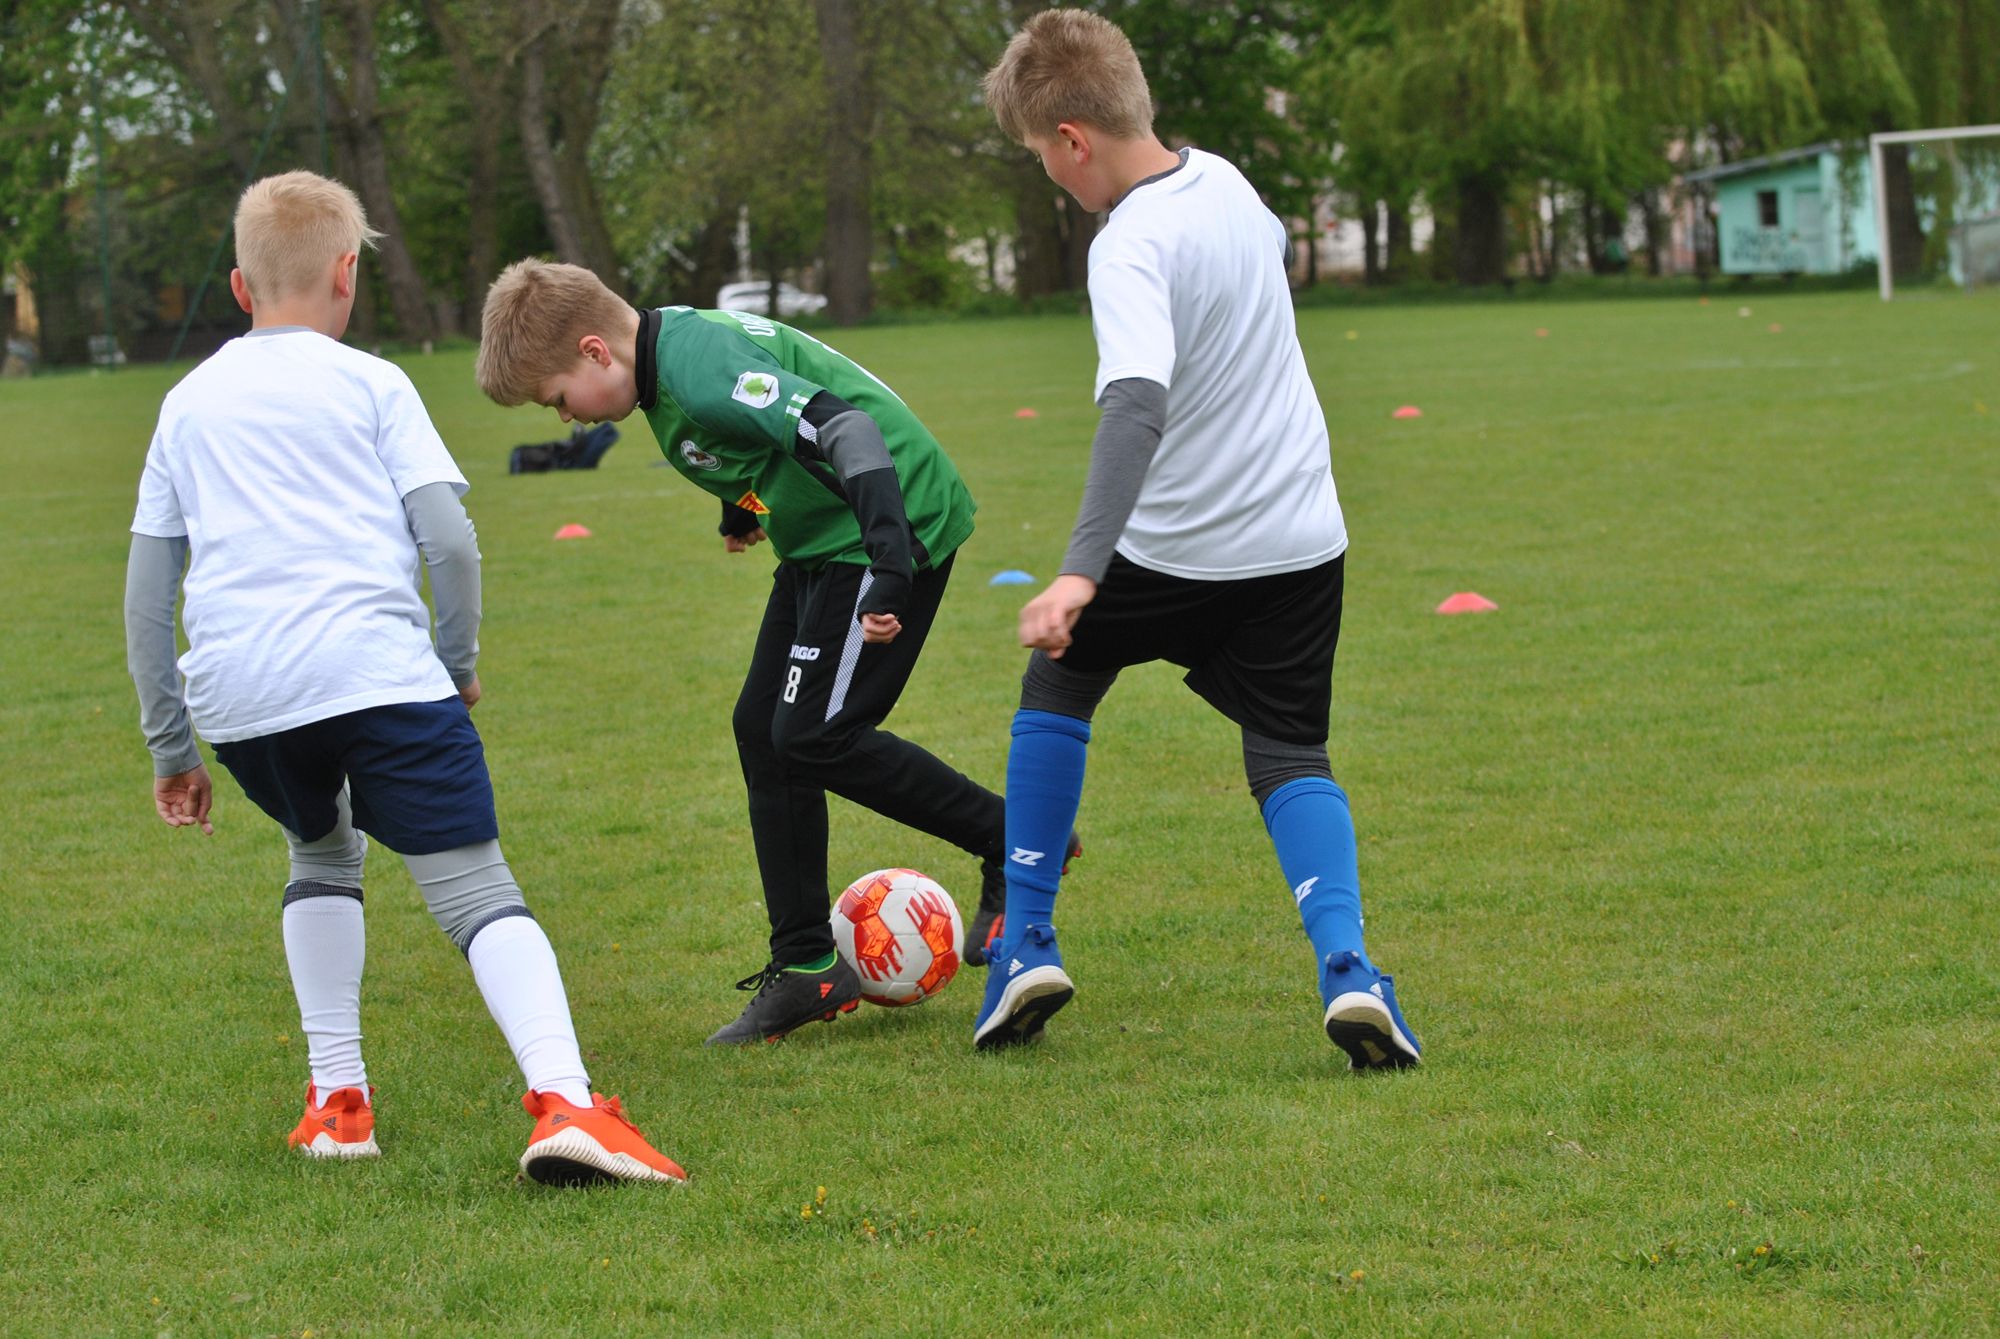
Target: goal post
{"type": "Point", "coordinates": [1964, 196]}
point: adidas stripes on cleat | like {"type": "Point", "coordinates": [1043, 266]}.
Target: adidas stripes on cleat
{"type": "Point", "coordinates": [341, 1126]}
{"type": "Point", "coordinates": [787, 999]}
{"type": "Point", "coordinates": [581, 1146]}
{"type": "Point", "coordinates": [1361, 1015]}
{"type": "Point", "coordinates": [990, 921]}
{"type": "Point", "coordinates": [1025, 985]}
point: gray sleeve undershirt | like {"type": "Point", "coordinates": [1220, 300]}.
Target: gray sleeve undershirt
{"type": "Point", "coordinates": [152, 587]}
{"type": "Point", "coordinates": [451, 552]}
{"type": "Point", "coordinates": [1135, 414]}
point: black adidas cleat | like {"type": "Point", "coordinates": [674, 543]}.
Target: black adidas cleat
{"type": "Point", "coordinates": [990, 920]}
{"type": "Point", "coordinates": [788, 999]}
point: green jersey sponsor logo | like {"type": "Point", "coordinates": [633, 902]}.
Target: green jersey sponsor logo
{"type": "Point", "coordinates": [699, 458]}
{"type": "Point", "coordinates": [756, 389]}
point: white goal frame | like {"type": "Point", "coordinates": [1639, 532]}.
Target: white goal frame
{"type": "Point", "coordinates": [1881, 199]}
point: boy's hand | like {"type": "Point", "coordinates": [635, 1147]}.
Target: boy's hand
{"type": "Point", "coordinates": [1047, 619]}
{"type": "Point", "coordinates": [880, 627]}
{"type": "Point", "coordinates": [738, 543]}
{"type": "Point", "coordinates": [183, 801]}
{"type": "Point", "coordinates": [469, 694]}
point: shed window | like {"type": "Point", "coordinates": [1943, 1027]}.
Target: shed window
{"type": "Point", "coordinates": [1767, 209]}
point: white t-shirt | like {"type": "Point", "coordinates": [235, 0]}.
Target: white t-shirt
{"type": "Point", "coordinates": [284, 459]}
{"type": "Point", "coordinates": [1188, 289]}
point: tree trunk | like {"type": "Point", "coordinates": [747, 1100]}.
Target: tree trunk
{"type": "Point", "coordinates": [1371, 252]}
{"type": "Point", "coordinates": [1038, 236]}
{"type": "Point", "coordinates": [1904, 245]}
{"type": "Point", "coordinates": [1655, 221]}
{"type": "Point", "coordinates": [1480, 255]}
{"type": "Point", "coordinates": [537, 148]}
{"type": "Point", "coordinates": [1079, 228]}
{"type": "Point", "coordinates": [850, 239]}
{"type": "Point", "coordinates": [1400, 248]}
{"type": "Point", "coordinates": [714, 256]}
{"type": "Point", "coordinates": [371, 165]}
{"type": "Point", "coordinates": [486, 102]}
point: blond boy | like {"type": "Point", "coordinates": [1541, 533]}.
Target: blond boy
{"type": "Point", "coordinates": [299, 482]}
{"type": "Point", "coordinates": [866, 513]}
{"type": "Point", "coordinates": [1210, 534]}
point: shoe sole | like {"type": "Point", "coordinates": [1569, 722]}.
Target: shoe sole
{"type": "Point", "coordinates": [1026, 1003]}
{"type": "Point", "coordinates": [846, 1008]}
{"type": "Point", "coordinates": [326, 1146]}
{"type": "Point", "coordinates": [571, 1158]}
{"type": "Point", "coordinates": [1361, 1025]}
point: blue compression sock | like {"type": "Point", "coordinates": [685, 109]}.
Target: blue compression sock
{"type": "Point", "coordinates": [1314, 835]}
{"type": "Point", "coordinates": [1044, 787]}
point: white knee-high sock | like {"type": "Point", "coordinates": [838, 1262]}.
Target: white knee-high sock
{"type": "Point", "coordinates": [326, 947]}
{"type": "Point", "coordinates": [517, 974]}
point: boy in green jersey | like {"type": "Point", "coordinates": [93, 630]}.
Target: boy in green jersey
{"type": "Point", "coordinates": [808, 450]}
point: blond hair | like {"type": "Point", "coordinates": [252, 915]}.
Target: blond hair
{"type": "Point", "coordinates": [536, 313]}
{"type": "Point", "coordinates": [291, 228]}
{"type": "Point", "coordinates": [1069, 65]}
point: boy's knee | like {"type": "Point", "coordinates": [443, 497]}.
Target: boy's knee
{"type": "Point", "coordinates": [1270, 763]}
{"type": "Point", "coordinates": [336, 858]}
{"type": "Point", "coordinates": [815, 748]}
{"type": "Point", "coordinates": [467, 889]}
{"type": "Point", "coordinates": [1049, 685]}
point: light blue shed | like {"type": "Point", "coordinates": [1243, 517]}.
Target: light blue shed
{"type": "Point", "coordinates": [1796, 212]}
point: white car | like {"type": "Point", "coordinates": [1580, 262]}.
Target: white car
{"type": "Point", "coordinates": [755, 296]}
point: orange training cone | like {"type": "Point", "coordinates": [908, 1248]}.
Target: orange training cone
{"type": "Point", "coordinates": [1467, 602]}
{"type": "Point", "coordinates": [573, 531]}
{"type": "Point", "coordinates": [1026, 413]}
{"type": "Point", "coordinates": [1408, 411]}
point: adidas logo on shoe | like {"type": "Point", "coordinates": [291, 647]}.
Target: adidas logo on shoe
{"type": "Point", "coordinates": [1376, 990]}
{"type": "Point", "coordinates": [825, 989]}
{"type": "Point", "coordinates": [1014, 966]}
{"type": "Point", "coordinates": [331, 1123]}
{"type": "Point", "coordinates": [558, 1120]}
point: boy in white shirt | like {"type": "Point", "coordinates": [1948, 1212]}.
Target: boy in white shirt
{"type": "Point", "coordinates": [299, 482]}
{"type": "Point", "coordinates": [1210, 533]}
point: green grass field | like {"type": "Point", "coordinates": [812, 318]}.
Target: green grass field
{"type": "Point", "coordinates": [1685, 861]}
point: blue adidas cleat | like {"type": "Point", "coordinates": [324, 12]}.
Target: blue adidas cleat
{"type": "Point", "coordinates": [1025, 983]}
{"type": "Point", "coordinates": [1361, 1014]}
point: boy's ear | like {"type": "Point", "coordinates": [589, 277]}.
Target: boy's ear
{"type": "Point", "coordinates": [239, 288]}
{"type": "Point", "coordinates": [1075, 141]}
{"type": "Point", "coordinates": [595, 349]}
{"type": "Point", "coordinates": [343, 275]}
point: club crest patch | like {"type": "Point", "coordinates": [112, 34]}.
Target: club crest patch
{"type": "Point", "coordinates": [698, 458]}
{"type": "Point", "coordinates": [755, 389]}
{"type": "Point", "coordinates": [751, 502]}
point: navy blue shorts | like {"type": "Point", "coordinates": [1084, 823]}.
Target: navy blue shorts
{"type": "Point", "coordinates": [415, 773]}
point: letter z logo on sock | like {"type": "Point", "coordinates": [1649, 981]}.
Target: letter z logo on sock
{"type": "Point", "coordinates": [1023, 856]}
{"type": "Point", "coordinates": [1304, 890]}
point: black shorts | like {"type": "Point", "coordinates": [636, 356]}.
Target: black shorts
{"type": "Point", "coordinates": [415, 772]}
{"type": "Point", "coordinates": [1259, 650]}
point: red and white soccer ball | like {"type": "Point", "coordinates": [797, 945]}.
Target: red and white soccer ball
{"type": "Point", "coordinates": [901, 934]}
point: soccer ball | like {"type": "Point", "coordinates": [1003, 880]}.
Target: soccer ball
{"type": "Point", "coordinates": [901, 934]}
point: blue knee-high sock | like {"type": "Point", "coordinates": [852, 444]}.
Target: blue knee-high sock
{"type": "Point", "coordinates": [1314, 835]}
{"type": "Point", "coordinates": [1044, 787]}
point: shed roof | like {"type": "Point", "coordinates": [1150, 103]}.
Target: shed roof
{"type": "Point", "coordinates": [1767, 160]}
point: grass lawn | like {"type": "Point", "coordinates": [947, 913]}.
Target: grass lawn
{"type": "Point", "coordinates": [1685, 861]}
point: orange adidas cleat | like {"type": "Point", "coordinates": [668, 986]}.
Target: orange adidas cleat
{"type": "Point", "coordinates": [581, 1146]}
{"type": "Point", "coordinates": [342, 1126]}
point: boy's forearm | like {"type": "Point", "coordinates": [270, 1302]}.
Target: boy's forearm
{"type": "Point", "coordinates": [152, 587]}
{"type": "Point", "coordinates": [450, 547]}
{"type": "Point", "coordinates": [851, 442]}
{"type": "Point", "coordinates": [1128, 435]}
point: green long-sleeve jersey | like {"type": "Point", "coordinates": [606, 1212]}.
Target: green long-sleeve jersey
{"type": "Point", "coordinates": [729, 392]}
